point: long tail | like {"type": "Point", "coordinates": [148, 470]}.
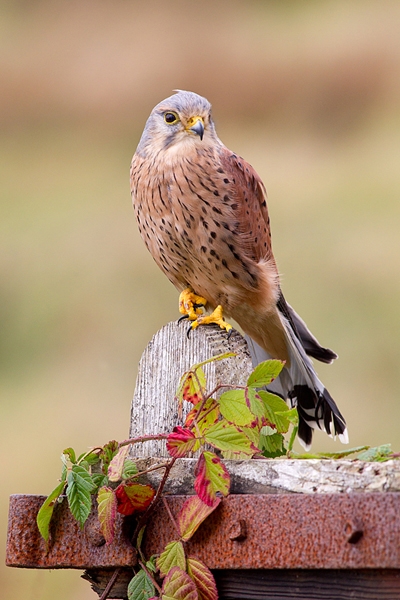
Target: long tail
{"type": "Point", "coordinates": [299, 383]}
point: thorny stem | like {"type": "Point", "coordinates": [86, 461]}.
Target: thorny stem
{"type": "Point", "coordinates": [150, 576]}
{"type": "Point", "coordinates": [110, 584]}
{"type": "Point", "coordinates": [92, 450]}
{"type": "Point", "coordinates": [171, 516]}
{"type": "Point", "coordinates": [143, 519]}
{"type": "Point", "coordinates": [143, 438]}
{"type": "Point", "coordinates": [153, 468]}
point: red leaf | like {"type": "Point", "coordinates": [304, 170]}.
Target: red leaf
{"type": "Point", "coordinates": [192, 514]}
{"type": "Point", "coordinates": [178, 586]}
{"type": "Point", "coordinates": [133, 497]}
{"type": "Point", "coordinates": [211, 477]}
{"type": "Point", "coordinates": [107, 511]}
{"type": "Point", "coordinates": [181, 441]}
{"type": "Point", "coordinates": [203, 578]}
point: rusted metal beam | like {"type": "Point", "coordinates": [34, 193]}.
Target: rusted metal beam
{"type": "Point", "coordinates": [69, 547]}
{"type": "Point", "coordinates": [283, 531]}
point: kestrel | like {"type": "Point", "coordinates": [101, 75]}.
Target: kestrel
{"type": "Point", "coordinates": [202, 213]}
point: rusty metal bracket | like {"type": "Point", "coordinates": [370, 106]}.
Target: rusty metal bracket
{"type": "Point", "coordinates": [268, 531]}
{"type": "Point", "coordinates": [69, 546]}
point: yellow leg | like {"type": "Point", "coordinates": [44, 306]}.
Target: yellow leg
{"type": "Point", "coordinates": [190, 304]}
{"type": "Point", "coordinates": [216, 318]}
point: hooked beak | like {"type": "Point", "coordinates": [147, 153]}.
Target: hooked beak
{"type": "Point", "coordinates": [196, 125]}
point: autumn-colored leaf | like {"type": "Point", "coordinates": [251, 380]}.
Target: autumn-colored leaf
{"type": "Point", "coordinates": [178, 586]}
{"type": "Point", "coordinates": [203, 579]}
{"type": "Point", "coordinates": [265, 373]}
{"type": "Point", "coordinates": [107, 512]}
{"type": "Point", "coordinates": [107, 453]}
{"type": "Point", "coordinates": [192, 514]}
{"type": "Point", "coordinates": [173, 556]}
{"type": "Point", "coordinates": [228, 437]}
{"type": "Point", "coordinates": [208, 416]}
{"type": "Point", "coordinates": [116, 465]}
{"type": "Point", "coordinates": [191, 387]}
{"type": "Point", "coordinates": [233, 407]}
{"type": "Point", "coordinates": [211, 477]}
{"type": "Point", "coordinates": [181, 441]}
{"type": "Point", "coordinates": [133, 497]}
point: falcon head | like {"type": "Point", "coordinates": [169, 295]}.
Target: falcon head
{"type": "Point", "coordinates": [176, 124]}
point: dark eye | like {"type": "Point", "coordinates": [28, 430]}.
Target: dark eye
{"type": "Point", "coordinates": [170, 118]}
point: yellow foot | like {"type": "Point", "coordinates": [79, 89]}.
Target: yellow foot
{"type": "Point", "coordinates": [216, 318]}
{"type": "Point", "coordinates": [190, 305]}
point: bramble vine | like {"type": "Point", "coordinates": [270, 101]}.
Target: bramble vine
{"type": "Point", "coordinates": [242, 422]}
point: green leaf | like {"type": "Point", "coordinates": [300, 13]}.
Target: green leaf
{"type": "Point", "coordinates": [107, 512]}
{"type": "Point", "coordinates": [255, 405]}
{"type": "Point", "coordinates": [99, 480]}
{"type": "Point", "coordinates": [116, 465]}
{"type": "Point", "coordinates": [141, 587]}
{"type": "Point", "coordinates": [192, 514]}
{"type": "Point", "coordinates": [378, 454]}
{"type": "Point", "coordinates": [92, 458]}
{"type": "Point", "coordinates": [292, 415]}
{"type": "Point", "coordinates": [234, 408]}
{"type": "Point", "coordinates": [273, 405]}
{"type": "Point", "coordinates": [329, 455]}
{"type": "Point", "coordinates": [46, 510]}
{"type": "Point", "coordinates": [178, 586]}
{"type": "Point", "coordinates": [214, 359]}
{"type": "Point", "coordinates": [203, 579]}
{"type": "Point", "coordinates": [265, 373]}
{"type": "Point", "coordinates": [139, 538]}
{"type": "Point", "coordinates": [229, 437]}
{"type": "Point", "coordinates": [130, 469]}
{"type": "Point", "coordinates": [70, 452]}
{"type": "Point", "coordinates": [151, 564]}
{"type": "Point", "coordinates": [80, 486]}
{"type": "Point", "coordinates": [272, 445]}
{"type": "Point", "coordinates": [173, 556]}
{"type": "Point", "coordinates": [211, 477]}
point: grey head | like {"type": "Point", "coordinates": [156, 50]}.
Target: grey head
{"type": "Point", "coordinates": [180, 121]}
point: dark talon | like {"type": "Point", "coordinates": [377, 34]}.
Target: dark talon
{"type": "Point", "coordinates": [230, 333]}
{"type": "Point", "coordinates": [198, 305]}
{"type": "Point", "coordinates": [188, 331]}
{"type": "Point", "coordinates": [182, 318]}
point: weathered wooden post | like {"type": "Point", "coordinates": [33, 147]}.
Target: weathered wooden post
{"type": "Point", "coordinates": [309, 529]}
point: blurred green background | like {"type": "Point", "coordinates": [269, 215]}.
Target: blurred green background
{"type": "Point", "coordinates": [308, 92]}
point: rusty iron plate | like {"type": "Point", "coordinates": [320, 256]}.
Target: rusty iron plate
{"type": "Point", "coordinates": [289, 531]}
{"type": "Point", "coordinates": [283, 531]}
{"type": "Point", "coordinates": [69, 546]}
